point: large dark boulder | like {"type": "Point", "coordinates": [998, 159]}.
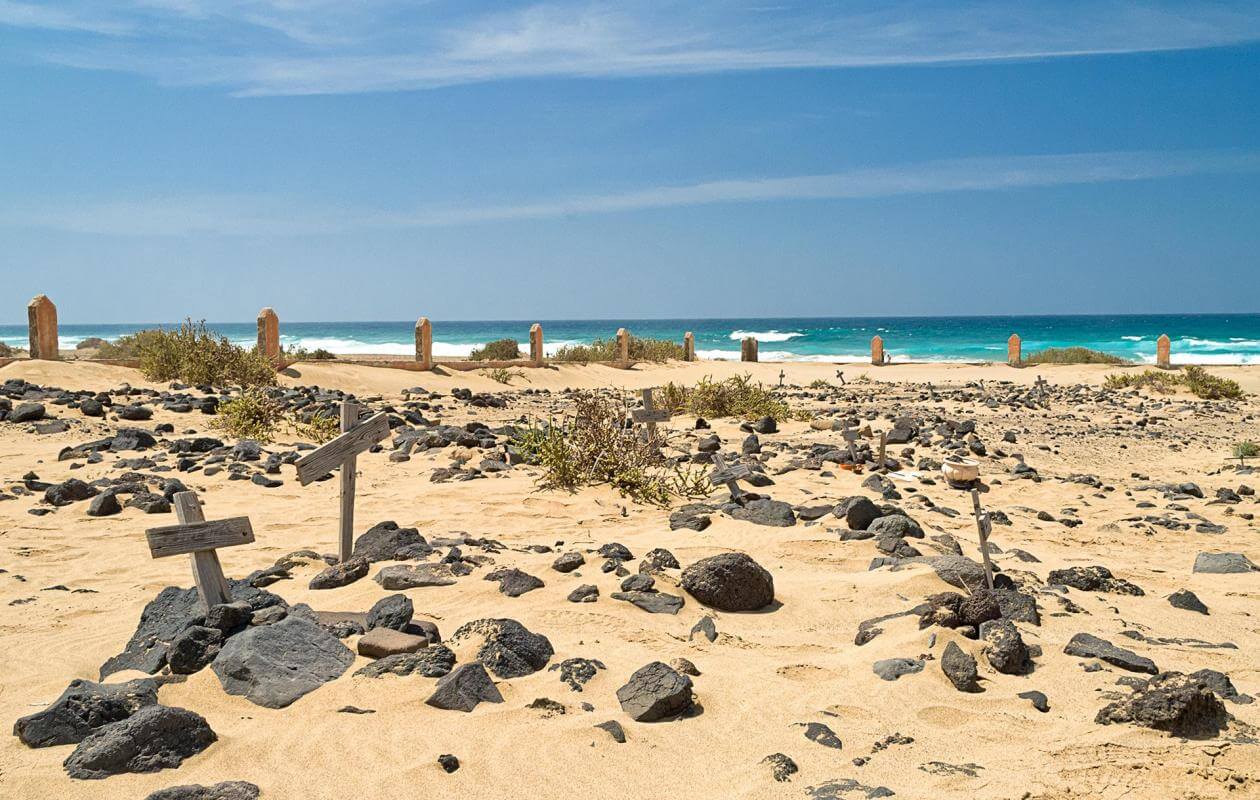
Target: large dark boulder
{"type": "Point", "coordinates": [764, 511]}
{"type": "Point", "coordinates": [394, 611]}
{"type": "Point", "coordinates": [193, 648]}
{"type": "Point", "coordinates": [1093, 579]}
{"type": "Point", "coordinates": [82, 708]}
{"type": "Point", "coordinates": [1005, 648]}
{"type": "Point", "coordinates": [154, 738]}
{"type": "Point", "coordinates": [506, 647]}
{"type": "Point", "coordinates": [274, 665]}
{"type": "Point", "coordinates": [343, 574]}
{"type": "Point", "coordinates": [165, 616]}
{"type": "Point", "coordinates": [67, 492]}
{"type": "Point", "coordinates": [895, 525]}
{"type": "Point", "coordinates": [1084, 645]}
{"type": "Point", "coordinates": [857, 512]}
{"type": "Point", "coordinates": [1178, 704]}
{"type": "Point", "coordinates": [729, 582]}
{"type": "Point", "coordinates": [385, 541]}
{"type": "Point", "coordinates": [654, 692]}
{"type": "Point", "coordinates": [960, 667]}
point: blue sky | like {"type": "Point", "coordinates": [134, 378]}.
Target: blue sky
{"type": "Point", "coordinates": [382, 160]}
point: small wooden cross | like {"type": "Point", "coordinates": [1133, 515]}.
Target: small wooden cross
{"type": "Point", "coordinates": [1041, 387]}
{"type": "Point", "coordinates": [723, 475]}
{"type": "Point", "coordinates": [199, 539]}
{"type": "Point", "coordinates": [984, 526]}
{"type": "Point", "coordinates": [356, 437]}
{"type": "Point", "coordinates": [650, 415]}
{"type": "Point", "coordinates": [931, 392]}
{"type": "Point", "coordinates": [840, 375]}
{"type": "Point", "coordinates": [782, 375]}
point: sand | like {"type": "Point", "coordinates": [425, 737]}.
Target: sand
{"type": "Point", "coordinates": [765, 675]}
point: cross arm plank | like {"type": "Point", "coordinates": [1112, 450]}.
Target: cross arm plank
{"type": "Point", "coordinates": [650, 415]}
{"type": "Point", "coordinates": [175, 540]}
{"type": "Point", "coordinates": [358, 439]}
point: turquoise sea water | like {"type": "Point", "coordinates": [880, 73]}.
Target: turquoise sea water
{"type": "Point", "coordinates": [1198, 338]}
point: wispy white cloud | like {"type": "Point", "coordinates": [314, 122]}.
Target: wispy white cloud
{"type": "Point", "coordinates": [266, 215]}
{"type": "Point", "coordinates": [261, 47]}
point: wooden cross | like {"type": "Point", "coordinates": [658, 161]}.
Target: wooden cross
{"type": "Point", "coordinates": [356, 437]}
{"type": "Point", "coordinates": [851, 435]}
{"type": "Point", "coordinates": [782, 374]}
{"type": "Point", "coordinates": [840, 375]}
{"type": "Point", "coordinates": [984, 526]}
{"type": "Point", "coordinates": [198, 538]}
{"type": "Point", "coordinates": [650, 414]}
{"type": "Point", "coordinates": [1041, 387]}
{"type": "Point", "coordinates": [722, 475]}
{"type": "Point", "coordinates": [931, 392]}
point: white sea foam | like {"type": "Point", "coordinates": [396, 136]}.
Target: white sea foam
{"type": "Point", "coordinates": [765, 336]}
{"type": "Point", "coordinates": [1133, 338]}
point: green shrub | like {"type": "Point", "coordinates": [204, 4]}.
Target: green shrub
{"type": "Point", "coordinates": [504, 375]}
{"type": "Point", "coordinates": [320, 427]}
{"type": "Point", "coordinates": [193, 354]}
{"type": "Point", "coordinates": [498, 350]}
{"type": "Point", "coordinates": [1197, 380]}
{"type": "Point", "coordinates": [1157, 380]}
{"type": "Point", "coordinates": [1072, 355]}
{"type": "Point", "coordinates": [1210, 387]}
{"type": "Point", "coordinates": [251, 415]}
{"type": "Point", "coordinates": [320, 354]}
{"type": "Point", "coordinates": [737, 396]}
{"type": "Point", "coordinates": [820, 383]}
{"type": "Point", "coordinates": [595, 447]}
{"type": "Point", "coordinates": [656, 350]}
{"type": "Point", "coordinates": [1245, 450]}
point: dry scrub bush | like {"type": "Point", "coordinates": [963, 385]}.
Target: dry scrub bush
{"type": "Point", "coordinates": [596, 446]}
{"type": "Point", "coordinates": [737, 396]}
{"type": "Point", "coordinates": [1197, 380]}
{"type": "Point", "coordinates": [251, 415]}
{"type": "Point", "coordinates": [193, 354]}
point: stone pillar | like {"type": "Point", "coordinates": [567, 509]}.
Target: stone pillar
{"type": "Point", "coordinates": [1163, 352]}
{"type": "Point", "coordinates": [41, 318]}
{"type": "Point", "coordinates": [536, 344]}
{"type": "Point", "coordinates": [1014, 351]}
{"type": "Point", "coordinates": [748, 349]}
{"type": "Point", "coordinates": [877, 350]}
{"type": "Point", "coordinates": [623, 347]}
{"type": "Point", "coordinates": [689, 346]}
{"type": "Point", "coordinates": [269, 334]}
{"type": "Point", "coordinates": [424, 343]}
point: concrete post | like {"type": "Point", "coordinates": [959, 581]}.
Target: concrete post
{"type": "Point", "coordinates": [424, 343]}
{"type": "Point", "coordinates": [1014, 351]}
{"type": "Point", "coordinates": [689, 346]}
{"type": "Point", "coordinates": [623, 347]}
{"type": "Point", "coordinates": [41, 318]}
{"type": "Point", "coordinates": [1163, 352]}
{"type": "Point", "coordinates": [536, 344]}
{"type": "Point", "coordinates": [877, 350]}
{"type": "Point", "coordinates": [269, 335]}
{"type": "Point", "coordinates": [748, 349]}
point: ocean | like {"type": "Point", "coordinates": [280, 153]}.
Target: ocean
{"type": "Point", "coordinates": [1196, 338]}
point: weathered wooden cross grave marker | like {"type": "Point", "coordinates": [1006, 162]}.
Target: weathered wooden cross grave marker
{"type": "Point", "coordinates": [1041, 387]}
{"type": "Point", "coordinates": [782, 375]}
{"type": "Point", "coordinates": [851, 435]}
{"type": "Point", "coordinates": [199, 539]}
{"type": "Point", "coordinates": [727, 476]}
{"type": "Point", "coordinates": [649, 415]}
{"type": "Point", "coordinates": [356, 437]}
{"type": "Point", "coordinates": [840, 375]}
{"type": "Point", "coordinates": [984, 526]}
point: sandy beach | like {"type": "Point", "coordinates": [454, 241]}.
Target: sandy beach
{"type": "Point", "coordinates": [73, 587]}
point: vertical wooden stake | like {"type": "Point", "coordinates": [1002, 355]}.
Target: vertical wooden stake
{"type": "Point", "coordinates": [207, 572]}
{"type": "Point", "coordinates": [349, 419]}
{"type": "Point", "coordinates": [689, 346]}
{"type": "Point", "coordinates": [983, 526]}
{"type": "Point", "coordinates": [883, 446]}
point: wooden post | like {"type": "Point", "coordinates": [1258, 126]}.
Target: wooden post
{"type": "Point", "coordinates": [424, 343]}
{"type": "Point", "coordinates": [198, 538]}
{"type": "Point", "coordinates": [883, 449]}
{"type": "Point", "coordinates": [1014, 352]}
{"type": "Point", "coordinates": [877, 350]}
{"type": "Point", "coordinates": [1163, 351]}
{"type": "Point", "coordinates": [689, 346]}
{"type": "Point", "coordinates": [41, 318]}
{"type": "Point", "coordinates": [748, 349]}
{"type": "Point", "coordinates": [728, 477]}
{"type": "Point", "coordinates": [650, 415]}
{"type": "Point", "coordinates": [623, 347]}
{"type": "Point", "coordinates": [269, 335]}
{"type": "Point", "coordinates": [985, 526]}
{"type": "Point", "coordinates": [343, 451]}
{"type": "Point", "coordinates": [536, 344]}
